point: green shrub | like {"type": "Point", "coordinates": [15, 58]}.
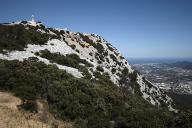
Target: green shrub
{"type": "Point", "coordinates": [109, 47]}
{"type": "Point", "coordinates": [67, 32]}
{"type": "Point", "coordinates": [24, 22]}
{"type": "Point", "coordinates": [16, 37]}
{"type": "Point", "coordinates": [89, 103]}
{"type": "Point", "coordinates": [62, 32]}
{"type": "Point", "coordinates": [99, 62]}
{"type": "Point", "coordinates": [113, 70]}
{"type": "Point", "coordinates": [99, 68]}
{"type": "Point", "coordinates": [86, 73]}
{"type": "Point", "coordinates": [147, 82]}
{"type": "Point", "coordinates": [43, 27]}
{"type": "Point", "coordinates": [91, 54]}
{"type": "Point", "coordinates": [107, 59]}
{"type": "Point", "coordinates": [125, 71]}
{"type": "Point", "coordinates": [77, 50]}
{"type": "Point", "coordinates": [137, 89]}
{"type": "Point", "coordinates": [99, 47]}
{"type": "Point", "coordinates": [35, 59]}
{"type": "Point", "coordinates": [73, 46]}
{"type": "Point", "coordinates": [121, 57]}
{"type": "Point", "coordinates": [116, 53]}
{"type": "Point", "coordinates": [105, 53]}
{"type": "Point", "coordinates": [86, 38]}
{"type": "Point", "coordinates": [101, 57]}
{"type": "Point", "coordinates": [29, 106]}
{"type": "Point", "coordinates": [133, 76]}
{"type": "Point", "coordinates": [71, 60]}
{"type": "Point", "coordinates": [82, 45]}
{"type": "Point", "coordinates": [68, 60]}
{"type": "Point", "coordinates": [113, 57]}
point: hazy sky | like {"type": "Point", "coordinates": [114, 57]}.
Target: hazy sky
{"type": "Point", "coordinates": [138, 28]}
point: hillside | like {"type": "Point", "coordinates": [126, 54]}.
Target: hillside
{"type": "Point", "coordinates": [81, 76]}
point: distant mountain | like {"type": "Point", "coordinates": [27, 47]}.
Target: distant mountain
{"type": "Point", "coordinates": [81, 76]}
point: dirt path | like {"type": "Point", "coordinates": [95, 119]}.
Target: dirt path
{"type": "Point", "coordinates": [3, 124]}
{"type": "Point", "coordinates": [11, 117]}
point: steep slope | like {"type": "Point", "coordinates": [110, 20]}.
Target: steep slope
{"type": "Point", "coordinates": [82, 78]}
{"type": "Point", "coordinates": [91, 49]}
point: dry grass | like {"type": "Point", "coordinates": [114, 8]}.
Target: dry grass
{"type": "Point", "coordinates": [8, 100]}
{"type": "Point", "coordinates": [11, 117]}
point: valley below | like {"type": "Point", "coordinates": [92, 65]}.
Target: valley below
{"type": "Point", "coordinates": [173, 77]}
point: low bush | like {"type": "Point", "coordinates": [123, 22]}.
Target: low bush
{"type": "Point", "coordinates": [86, 73]}
{"type": "Point", "coordinates": [113, 70]}
{"type": "Point", "coordinates": [113, 57]}
{"type": "Point", "coordinates": [121, 57]}
{"type": "Point", "coordinates": [86, 38]}
{"type": "Point", "coordinates": [71, 60]}
{"type": "Point", "coordinates": [99, 47]}
{"type": "Point", "coordinates": [16, 37]}
{"type": "Point", "coordinates": [133, 76]}
{"type": "Point", "coordinates": [93, 103]}
{"type": "Point", "coordinates": [67, 32]}
{"type": "Point", "coordinates": [107, 59]}
{"type": "Point", "coordinates": [82, 45]}
{"type": "Point", "coordinates": [109, 47]}
{"type": "Point", "coordinates": [125, 71]}
{"type": "Point", "coordinates": [99, 68]}
{"type": "Point", "coordinates": [62, 32]}
{"type": "Point", "coordinates": [24, 22]}
{"type": "Point", "coordinates": [147, 82]}
{"type": "Point", "coordinates": [73, 46]}
{"type": "Point", "coordinates": [28, 105]}
{"type": "Point", "coordinates": [91, 54]}
{"type": "Point", "coordinates": [77, 50]}
{"type": "Point", "coordinates": [99, 62]}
